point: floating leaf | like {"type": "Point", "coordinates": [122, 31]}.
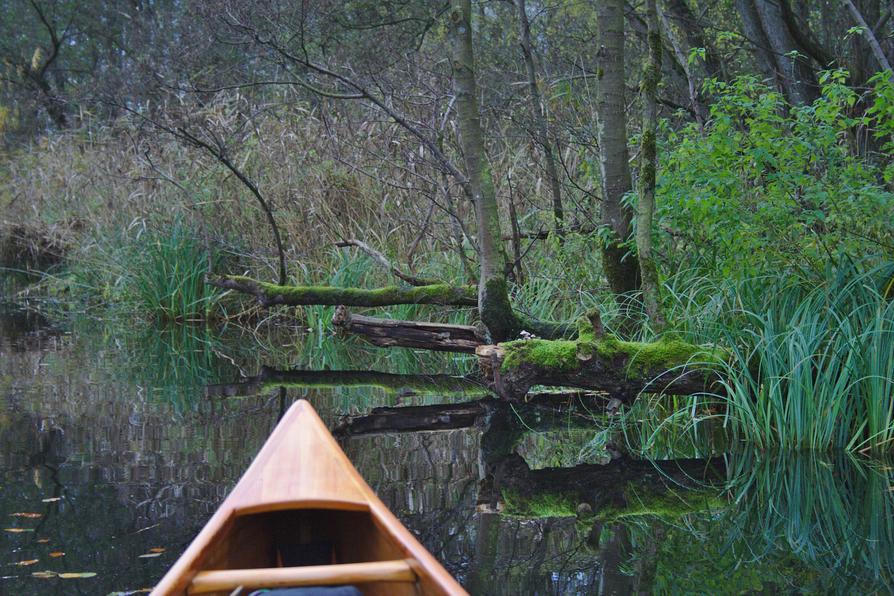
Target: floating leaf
{"type": "Point", "coordinates": [57, 553]}
{"type": "Point", "coordinates": [157, 549]}
{"type": "Point", "coordinates": [43, 540]}
{"type": "Point", "coordinates": [79, 575]}
{"type": "Point", "coordinates": [28, 515]}
{"type": "Point", "coordinates": [18, 530]}
{"type": "Point", "coordinates": [51, 500]}
{"type": "Point", "coordinates": [26, 563]}
{"type": "Point", "coordinates": [43, 574]}
{"type": "Point", "coordinates": [149, 556]}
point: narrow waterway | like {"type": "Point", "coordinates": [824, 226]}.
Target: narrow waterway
{"type": "Point", "coordinates": [118, 441]}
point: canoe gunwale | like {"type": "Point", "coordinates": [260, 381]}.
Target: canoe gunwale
{"type": "Point", "coordinates": [300, 505]}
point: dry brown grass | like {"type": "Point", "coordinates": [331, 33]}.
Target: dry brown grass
{"type": "Point", "coordinates": [347, 175]}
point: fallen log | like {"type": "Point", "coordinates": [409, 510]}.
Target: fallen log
{"type": "Point", "coordinates": [269, 294]}
{"type": "Point", "coordinates": [624, 487]}
{"type": "Point", "coordinates": [269, 379]}
{"type": "Point", "coordinates": [541, 412]}
{"type": "Point", "coordinates": [414, 418]}
{"type": "Point", "coordinates": [410, 334]}
{"type": "Point", "coordinates": [600, 361]}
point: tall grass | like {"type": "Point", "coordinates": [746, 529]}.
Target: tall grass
{"type": "Point", "coordinates": [167, 278]}
{"type": "Point", "coordinates": [811, 358]}
{"type": "Point", "coordinates": [156, 272]}
{"type": "Point", "coordinates": [835, 513]}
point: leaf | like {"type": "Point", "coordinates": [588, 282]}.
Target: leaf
{"type": "Point", "coordinates": [57, 553]}
{"type": "Point", "coordinates": [44, 574]}
{"type": "Point", "coordinates": [79, 575]}
{"type": "Point", "coordinates": [157, 549]}
{"type": "Point", "coordinates": [18, 530]}
{"type": "Point", "coordinates": [26, 563]}
{"type": "Point", "coordinates": [51, 500]}
{"type": "Point", "coordinates": [149, 556]}
{"type": "Point", "coordinates": [28, 515]}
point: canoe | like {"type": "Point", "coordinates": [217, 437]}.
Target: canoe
{"type": "Point", "coordinates": [302, 515]}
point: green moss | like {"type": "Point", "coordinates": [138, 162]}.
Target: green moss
{"type": "Point", "coordinates": [557, 354]}
{"type": "Point", "coordinates": [641, 358]}
{"type": "Point", "coordinates": [541, 505]}
{"type": "Point", "coordinates": [667, 505]}
{"type": "Point", "coordinates": [496, 311]}
{"type": "Point", "coordinates": [390, 295]}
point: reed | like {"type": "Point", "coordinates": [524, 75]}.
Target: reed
{"type": "Point", "coordinates": [811, 357]}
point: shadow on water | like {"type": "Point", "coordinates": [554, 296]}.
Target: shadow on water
{"type": "Point", "coordinates": [124, 438]}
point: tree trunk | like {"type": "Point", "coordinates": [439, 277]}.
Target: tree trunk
{"type": "Point", "coordinates": [538, 110]}
{"type": "Point", "coordinates": [693, 84]}
{"type": "Point", "coordinates": [870, 37]}
{"type": "Point", "coordinates": [271, 294]}
{"type": "Point", "coordinates": [689, 24]}
{"type": "Point", "coordinates": [493, 295]}
{"type": "Point", "coordinates": [645, 206]}
{"type": "Point", "coordinates": [796, 76]}
{"type": "Point", "coordinates": [621, 268]}
{"type": "Point", "coordinates": [754, 33]}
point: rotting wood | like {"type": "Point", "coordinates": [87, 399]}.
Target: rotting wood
{"type": "Point", "coordinates": [409, 334]}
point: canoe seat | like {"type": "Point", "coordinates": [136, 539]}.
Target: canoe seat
{"type": "Point", "coordinates": [225, 580]}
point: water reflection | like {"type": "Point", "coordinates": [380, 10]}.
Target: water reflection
{"type": "Point", "coordinates": [136, 438]}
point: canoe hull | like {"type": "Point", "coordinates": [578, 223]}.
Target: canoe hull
{"type": "Point", "coordinates": [302, 500]}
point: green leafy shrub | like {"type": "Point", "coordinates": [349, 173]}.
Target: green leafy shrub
{"type": "Point", "coordinates": [766, 186]}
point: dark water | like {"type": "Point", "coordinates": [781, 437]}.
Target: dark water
{"type": "Point", "coordinates": [124, 439]}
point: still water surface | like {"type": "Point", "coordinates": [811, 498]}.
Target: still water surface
{"type": "Point", "coordinates": [117, 442]}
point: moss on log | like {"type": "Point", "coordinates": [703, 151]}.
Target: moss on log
{"type": "Point", "coordinates": [623, 488]}
{"type": "Point", "coordinates": [600, 361]}
{"type": "Point", "coordinates": [270, 379]}
{"type": "Point", "coordinates": [272, 294]}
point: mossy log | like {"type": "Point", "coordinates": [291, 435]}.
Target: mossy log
{"type": "Point", "coordinates": [269, 379]}
{"type": "Point", "coordinates": [621, 488]}
{"type": "Point", "coordinates": [596, 360]}
{"type": "Point", "coordinates": [271, 294]}
{"type": "Point", "coordinates": [410, 334]}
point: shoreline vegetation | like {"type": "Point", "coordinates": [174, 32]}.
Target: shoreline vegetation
{"type": "Point", "coordinates": [808, 355]}
{"type": "Point", "coordinates": [718, 238]}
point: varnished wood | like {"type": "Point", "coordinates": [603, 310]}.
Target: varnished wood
{"type": "Point", "coordinates": [302, 480]}
{"type": "Point", "coordinates": [316, 575]}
